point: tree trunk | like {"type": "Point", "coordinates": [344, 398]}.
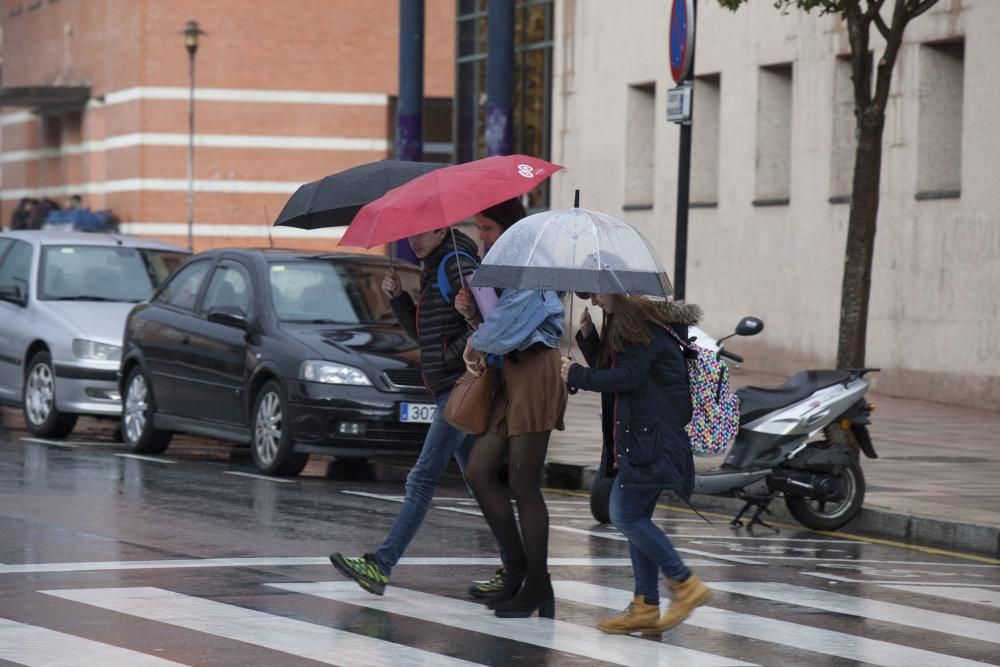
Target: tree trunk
{"type": "Point", "coordinates": [855, 290]}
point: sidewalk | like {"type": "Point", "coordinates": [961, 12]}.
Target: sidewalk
{"type": "Point", "coordinates": [936, 481]}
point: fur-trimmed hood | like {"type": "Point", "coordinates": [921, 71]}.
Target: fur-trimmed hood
{"type": "Point", "coordinates": [679, 312]}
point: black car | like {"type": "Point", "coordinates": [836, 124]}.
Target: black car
{"type": "Point", "coordinates": [290, 352]}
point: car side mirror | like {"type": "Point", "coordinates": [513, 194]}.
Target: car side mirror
{"type": "Point", "coordinates": [229, 316]}
{"type": "Point", "coordinates": [749, 326]}
{"type": "Point", "coordinates": [14, 294]}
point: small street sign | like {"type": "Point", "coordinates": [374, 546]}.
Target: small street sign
{"type": "Point", "coordinates": [679, 103]}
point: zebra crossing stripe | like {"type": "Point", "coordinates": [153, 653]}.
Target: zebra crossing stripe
{"type": "Point", "coordinates": [306, 640]}
{"type": "Point", "coordinates": [960, 593]}
{"type": "Point", "coordinates": [795, 635]}
{"type": "Point", "coordinates": [547, 633]}
{"type": "Point", "coordinates": [40, 647]}
{"type": "Point", "coordinates": [890, 612]}
{"type": "Point", "coordinates": [622, 538]}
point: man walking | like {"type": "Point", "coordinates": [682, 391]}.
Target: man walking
{"type": "Point", "coordinates": [441, 332]}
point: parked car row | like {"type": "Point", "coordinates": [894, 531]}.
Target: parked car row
{"type": "Point", "coordinates": [291, 353]}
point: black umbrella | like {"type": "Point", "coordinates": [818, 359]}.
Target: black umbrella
{"type": "Point", "coordinates": [335, 200]}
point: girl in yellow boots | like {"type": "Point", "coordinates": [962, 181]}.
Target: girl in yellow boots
{"type": "Point", "coordinates": [638, 365]}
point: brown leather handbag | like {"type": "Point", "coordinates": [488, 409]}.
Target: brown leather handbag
{"type": "Point", "coordinates": [468, 407]}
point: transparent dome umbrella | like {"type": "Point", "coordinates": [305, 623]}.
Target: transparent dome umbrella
{"type": "Point", "coordinates": [574, 250]}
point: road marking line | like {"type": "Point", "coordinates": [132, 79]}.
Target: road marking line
{"type": "Point", "coordinates": [266, 478]}
{"type": "Point", "coordinates": [547, 633]}
{"type": "Point", "coordinates": [378, 496]}
{"type": "Point", "coordinates": [295, 561]}
{"type": "Point", "coordinates": [622, 538]}
{"type": "Point", "coordinates": [891, 582]}
{"type": "Point", "coordinates": [795, 635]}
{"type": "Point", "coordinates": [971, 594]}
{"type": "Point", "coordinates": [140, 457]}
{"type": "Point", "coordinates": [40, 647]}
{"type": "Point", "coordinates": [306, 640]}
{"type": "Point", "coordinates": [832, 533]}
{"type": "Point", "coordinates": [890, 612]}
{"type": "Point", "coordinates": [54, 443]}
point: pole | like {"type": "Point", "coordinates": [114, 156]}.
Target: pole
{"type": "Point", "coordinates": [500, 77]}
{"type": "Point", "coordinates": [684, 185]}
{"type": "Point", "coordinates": [410, 102]}
{"type": "Point", "coordinates": [190, 155]}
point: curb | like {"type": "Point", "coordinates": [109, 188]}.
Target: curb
{"type": "Point", "coordinates": [872, 521]}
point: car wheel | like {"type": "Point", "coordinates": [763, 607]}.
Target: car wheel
{"type": "Point", "coordinates": [138, 409]}
{"type": "Point", "coordinates": [271, 445]}
{"type": "Point", "coordinates": [39, 400]}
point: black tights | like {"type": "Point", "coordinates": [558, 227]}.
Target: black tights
{"type": "Point", "coordinates": [526, 453]}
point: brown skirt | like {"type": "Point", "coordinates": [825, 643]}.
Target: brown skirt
{"type": "Point", "coordinates": [531, 396]}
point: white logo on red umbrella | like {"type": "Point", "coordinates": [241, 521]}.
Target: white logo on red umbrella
{"type": "Point", "coordinates": [526, 170]}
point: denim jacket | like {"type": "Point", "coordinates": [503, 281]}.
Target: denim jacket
{"type": "Point", "coordinates": [520, 319]}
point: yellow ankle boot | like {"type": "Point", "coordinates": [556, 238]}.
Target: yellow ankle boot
{"type": "Point", "coordinates": [687, 595]}
{"type": "Point", "coordinates": [637, 617]}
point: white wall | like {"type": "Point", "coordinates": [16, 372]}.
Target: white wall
{"type": "Point", "coordinates": [934, 322]}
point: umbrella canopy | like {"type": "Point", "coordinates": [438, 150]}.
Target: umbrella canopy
{"type": "Point", "coordinates": [444, 197]}
{"type": "Point", "coordinates": [335, 200]}
{"type": "Point", "coordinates": [574, 250]}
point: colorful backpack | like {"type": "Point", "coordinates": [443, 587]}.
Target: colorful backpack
{"type": "Point", "coordinates": [715, 412]}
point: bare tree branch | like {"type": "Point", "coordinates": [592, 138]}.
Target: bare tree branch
{"type": "Point", "coordinates": [880, 24]}
{"type": "Point", "coordinates": [919, 8]}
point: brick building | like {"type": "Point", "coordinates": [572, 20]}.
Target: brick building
{"type": "Point", "coordinates": [95, 102]}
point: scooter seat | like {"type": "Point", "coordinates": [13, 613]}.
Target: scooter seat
{"type": "Point", "coordinates": [756, 402]}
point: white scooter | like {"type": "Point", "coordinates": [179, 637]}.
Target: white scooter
{"type": "Point", "coordinates": [801, 441]}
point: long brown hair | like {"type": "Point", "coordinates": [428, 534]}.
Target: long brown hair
{"type": "Point", "coordinates": [628, 324]}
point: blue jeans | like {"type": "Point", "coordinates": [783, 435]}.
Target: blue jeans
{"type": "Point", "coordinates": [649, 547]}
{"type": "Point", "coordinates": [443, 441]}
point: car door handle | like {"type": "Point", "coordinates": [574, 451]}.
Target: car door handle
{"type": "Point", "coordinates": [185, 340]}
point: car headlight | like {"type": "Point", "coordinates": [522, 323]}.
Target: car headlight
{"type": "Point", "coordinates": [94, 351]}
{"type": "Point", "coordinates": [329, 372]}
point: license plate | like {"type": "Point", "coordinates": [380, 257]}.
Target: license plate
{"type": "Point", "coordinates": [422, 413]}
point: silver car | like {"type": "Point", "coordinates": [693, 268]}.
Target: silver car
{"type": "Point", "coordinates": [64, 297]}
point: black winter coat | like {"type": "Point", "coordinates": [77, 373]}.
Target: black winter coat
{"type": "Point", "coordinates": [646, 405]}
{"type": "Point", "coordinates": [438, 328]}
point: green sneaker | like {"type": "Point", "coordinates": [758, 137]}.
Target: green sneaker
{"type": "Point", "coordinates": [365, 570]}
{"type": "Point", "coordinates": [485, 589]}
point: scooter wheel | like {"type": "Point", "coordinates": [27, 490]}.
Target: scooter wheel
{"type": "Point", "coordinates": [600, 498]}
{"type": "Point", "coordinates": [820, 515]}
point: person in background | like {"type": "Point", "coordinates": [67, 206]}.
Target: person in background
{"type": "Point", "coordinates": [640, 369]}
{"type": "Point", "coordinates": [22, 214]}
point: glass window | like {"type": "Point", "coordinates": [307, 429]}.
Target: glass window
{"type": "Point", "coordinates": [335, 292]}
{"type": "Point", "coordinates": [16, 267]}
{"type": "Point", "coordinates": [3, 246]}
{"type": "Point", "coordinates": [103, 273]}
{"type": "Point", "coordinates": [228, 288]}
{"type": "Point", "coordinates": [533, 30]}
{"type": "Point", "coordinates": [182, 290]}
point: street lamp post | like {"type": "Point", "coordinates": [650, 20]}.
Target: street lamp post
{"type": "Point", "coordinates": [191, 33]}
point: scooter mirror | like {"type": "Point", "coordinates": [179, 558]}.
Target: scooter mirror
{"type": "Point", "coordinates": [749, 326]}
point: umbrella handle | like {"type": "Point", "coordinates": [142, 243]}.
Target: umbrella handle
{"type": "Point", "coordinates": [458, 257]}
{"type": "Point", "coordinates": [569, 348]}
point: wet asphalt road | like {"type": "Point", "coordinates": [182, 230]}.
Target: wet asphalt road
{"type": "Point", "coordinates": [110, 559]}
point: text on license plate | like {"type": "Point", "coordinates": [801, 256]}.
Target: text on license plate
{"type": "Point", "coordinates": [417, 412]}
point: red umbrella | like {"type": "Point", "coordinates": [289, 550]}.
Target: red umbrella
{"type": "Point", "coordinates": [445, 196]}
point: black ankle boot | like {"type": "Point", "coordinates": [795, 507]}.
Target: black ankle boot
{"type": "Point", "coordinates": [535, 594]}
{"type": "Point", "coordinates": [513, 578]}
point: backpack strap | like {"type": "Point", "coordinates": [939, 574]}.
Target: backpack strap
{"type": "Point", "coordinates": [443, 284]}
{"type": "Point", "coordinates": [689, 351]}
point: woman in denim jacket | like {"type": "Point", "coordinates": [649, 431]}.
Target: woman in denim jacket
{"type": "Point", "coordinates": [521, 337]}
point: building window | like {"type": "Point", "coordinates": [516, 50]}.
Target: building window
{"type": "Point", "coordinates": [845, 137]}
{"type": "Point", "coordinates": [437, 116]}
{"type": "Point", "coordinates": [533, 30]}
{"type": "Point", "coordinates": [939, 141]}
{"type": "Point", "coordinates": [640, 130]}
{"type": "Point", "coordinates": [774, 135]}
{"type": "Point", "coordinates": [705, 141]}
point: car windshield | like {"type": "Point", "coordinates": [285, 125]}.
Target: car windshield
{"type": "Point", "coordinates": [103, 273]}
{"type": "Point", "coordinates": [336, 292]}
